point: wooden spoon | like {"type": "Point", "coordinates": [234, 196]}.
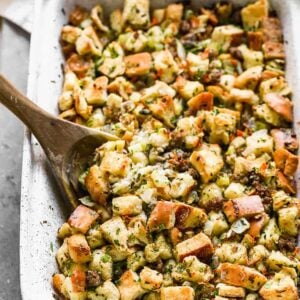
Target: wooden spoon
{"type": "Point", "coordinates": [67, 145]}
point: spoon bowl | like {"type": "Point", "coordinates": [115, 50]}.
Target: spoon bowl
{"type": "Point", "coordinates": [69, 147]}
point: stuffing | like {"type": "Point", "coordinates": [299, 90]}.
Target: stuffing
{"type": "Point", "coordinates": [232, 252]}
{"type": "Point", "coordinates": [82, 218]}
{"type": "Point", "coordinates": [138, 64]}
{"type": "Point", "coordinates": [199, 245]}
{"type": "Point", "coordinates": [151, 279]}
{"type": "Point", "coordinates": [129, 205]}
{"type": "Point", "coordinates": [207, 161]}
{"type": "Point", "coordinates": [216, 224]}
{"type": "Point", "coordinates": [177, 293]}
{"type": "Point", "coordinates": [247, 206]}
{"type": "Point", "coordinates": [78, 248]}
{"type": "Point", "coordinates": [136, 13]}
{"type": "Point", "coordinates": [286, 161]}
{"type": "Point", "coordinates": [240, 276]}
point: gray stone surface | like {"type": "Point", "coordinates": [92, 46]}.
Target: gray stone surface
{"type": "Point", "coordinates": [14, 51]}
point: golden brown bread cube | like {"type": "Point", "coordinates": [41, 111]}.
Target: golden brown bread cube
{"type": "Point", "coordinates": [255, 40]}
{"type": "Point", "coordinates": [202, 101]}
{"type": "Point", "coordinates": [96, 185]}
{"type": "Point", "coordinates": [286, 161]}
{"type": "Point", "coordinates": [281, 286]}
{"type": "Point", "coordinates": [207, 161]}
{"type": "Point", "coordinates": [162, 216]}
{"type": "Point", "coordinates": [188, 216]}
{"type": "Point", "coordinates": [285, 138]}
{"type": "Point", "coordinates": [247, 206]}
{"type": "Point", "coordinates": [281, 105]}
{"type": "Point", "coordinates": [199, 245]}
{"type": "Point", "coordinates": [78, 248]}
{"type": "Point", "coordinates": [177, 293]}
{"type": "Point", "coordinates": [238, 275]}
{"type": "Point", "coordinates": [286, 183]}
{"type": "Point", "coordinates": [82, 218]}
{"type": "Point", "coordinates": [273, 50]}
{"type": "Point", "coordinates": [138, 64]}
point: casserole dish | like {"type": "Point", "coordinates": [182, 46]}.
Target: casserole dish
{"type": "Point", "coordinates": [41, 212]}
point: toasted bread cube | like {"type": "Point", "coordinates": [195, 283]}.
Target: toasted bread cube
{"type": "Point", "coordinates": [249, 78]}
{"type": "Point", "coordinates": [226, 36]}
{"type": "Point", "coordinates": [233, 253]}
{"type": "Point", "coordinates": [108, 290]}
{"type": "Point", "coordinates": [270, 235]}
{"type": "Point", "coordinates": [288, 220]}
{"type": "Point", "coordinates": [189, 216]}
{"type": "Point", "coordinates": [286, 161]}
{"type": "Point", "coordinates": [115, 231]}
{"type": "Point", "coordinates": [151, 279]}
{"type": "Point", "coordinates": [136, 13]}
{"type": "Point", "coordinates": [96, 185]}
{"type": "Point", "coordinates": [230, 291]}
{"type": "Point", "coordinates": [207, 161]}
{"type": "Point", "coordinates": [287, 184]}
{"type": "Point", "coordinates": [165, 65]}
{"type": "Point", "coordinates": [276, 261]}
{"type": "Point", "coordinates": [202, 101]}
{"type": "Point", "coordinates": [138, 64]}
{"type": "Point", "coordinates": [129, 286]}
{"type": "Point", "coordinates": [257, 224]}
{"type": "Point", "coordinates": [174, 12]}
{"type": "Point", "coordinates": [243, 96]}
{"type": "Point", "coordinates": [192, 270]}
{"type": "Point", "coordinates": [102, 263]}
{"type": "Point", "coordinates": [186, 88]}
{"type": "Point", "coordinates": [285, 138]}
{"type": "Point", "coordinates": [199, 245]}
{"type": "Point", "coordinates": [254, 14]}
{"type": "Point", "coordinates": [181, 185]}
{"type": "Point", "coordinates": [247, 206]}
{"type": "Point", "coordinates": [177, 293]}
{"type": "Point", "coordinates": [240, 276]}
{"type": "Point", "coordinates": [281, 286]}
{"type": "Point", "coordinates": [272, 30]}
{"type": "Point", "coordinates": [283, 106]}
{"type": "Point", "coordinates": [273, 50]}
{"type": "Point", "coordinates": [127, 205]}
{"type": "Point", "coordinates": [74, 287]}
{"type": "Point", "coordinates": [82, 218]}
{"type": "Point", "coordinates": [216, 224]}
{"type": "Point", "coordinates": [162, 216]}
{"type": "Point", "coordinates": [57, 282]}
{"type": "Point", "coordinates": [115, 163]}
{"type": "Point", "coordinates": [255, 40]}
{"type": "Point", "coordinates": [78, 248]}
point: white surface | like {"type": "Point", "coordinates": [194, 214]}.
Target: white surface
{"type": "Point", "coordinates": [18, 11]}
{"type": "Point", "coordinates": [39, 201]}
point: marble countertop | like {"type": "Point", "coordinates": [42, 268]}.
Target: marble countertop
{"type": "Point", "coordinates": [14, 52]}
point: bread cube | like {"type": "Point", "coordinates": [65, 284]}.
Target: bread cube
{"type": "Point", "coordinates": [151, 279]}
{"type": "Point", "coordinates": [199, 245]}
{"type": "Point", "coordinates": [177, 293]}
{"type": "Point", "coordinates": [276, 261]}
{"type": "Point", "coordinates": [115, 163]}
{"type": "Point", "coordinates": [216, 224]}
{"type": "Point", "coordinates": [78, 248]}
{"type": "Point", "coordinates": [233, 253]}
{"type": "Point", "coordinates": [281, 286]}
{"type": "Point", "coordinates": [162, 216]}
{"type": "Point", "coordinates": [102, 263]}
{"type": "Point", "coordinates": [129, 286]}
{"type": "Point", "coordinates": [108, 290]}
{"type": "Point", "coordinates": [207, 161]}
{"type": "Point", "coordinates": [247, 206]}
{"type": "Point", "coordinates": [240, 276]}
{"type": "Point", "coordinates": [115, 231]}
{"type": "Point", "coordinates": [82, 218]}
{"type": "Point", "coordinates": [127, 205]}
{"type": "Point", "coordinates": [181, 185]}
{"type": "Point", "coordinates": [270, 235]}
{"type": "Point", "coordinates": [288, 220]}
{"type": "Point", "coordinates": [191, 269]}
{"type": "Point", "coordinates": [96, 185]}
{"type": "Point", "coordinates": [225, 290]}
{"type": "Point", "coordinates": [189, 216]}
{"type": "Point", "coordinates": [138, 64]}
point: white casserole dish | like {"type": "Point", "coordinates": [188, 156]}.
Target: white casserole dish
{"type": "Point", "coordinates": [42, 209]}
